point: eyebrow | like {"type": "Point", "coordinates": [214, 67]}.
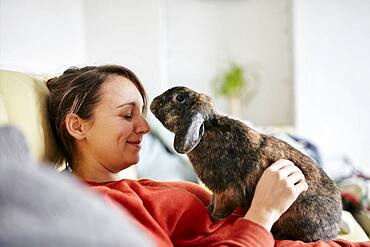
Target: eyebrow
{"type": "Point", "coordinates": [125, 104]}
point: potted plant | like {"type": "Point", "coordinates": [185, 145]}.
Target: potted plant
{"type": "Point", "coordinates": [233, 85]}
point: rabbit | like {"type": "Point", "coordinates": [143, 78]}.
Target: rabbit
{"type": "Point", "coordinates": [229, 157]}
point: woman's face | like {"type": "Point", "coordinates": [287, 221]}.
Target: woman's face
{"type": "Point", "coordinates": [114, 133]}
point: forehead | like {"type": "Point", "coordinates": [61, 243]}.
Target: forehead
{"type": "Point", "coordinates": [118, 90]}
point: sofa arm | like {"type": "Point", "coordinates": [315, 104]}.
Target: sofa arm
{"type": "Point", "coordinates": [355, 232]}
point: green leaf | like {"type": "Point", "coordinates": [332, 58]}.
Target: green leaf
{"type": "Point", "coordinates": [231, 82]}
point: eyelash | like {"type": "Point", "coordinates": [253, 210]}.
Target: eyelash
{"type": "Point", "coordinates": [129, 117]}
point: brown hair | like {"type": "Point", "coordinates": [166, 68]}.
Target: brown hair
{"type": "Point", "coordinates": [77, 91]}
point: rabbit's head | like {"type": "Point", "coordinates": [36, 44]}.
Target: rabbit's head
{"type": "Point", "coordinates": [183, 111]}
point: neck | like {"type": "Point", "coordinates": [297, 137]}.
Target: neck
{"type": "Point", "coordinates": [91, 171]}
{"type": "Point", "coordinates": [98, 177]}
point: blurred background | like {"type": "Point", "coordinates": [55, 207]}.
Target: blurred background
{"type": "Point", "coordinates": [297, 65]}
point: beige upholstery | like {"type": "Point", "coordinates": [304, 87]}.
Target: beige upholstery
{"type": "Point", "coordinates": [23, 103]}
{"type": "Point", "coordinates": [356, 233]}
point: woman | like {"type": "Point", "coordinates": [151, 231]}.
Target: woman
{"type": "Point", "coordinates": [98, 116]}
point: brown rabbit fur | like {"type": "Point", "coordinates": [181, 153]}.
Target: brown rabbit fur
{"type": "Point", "coordinates": [229, 157]}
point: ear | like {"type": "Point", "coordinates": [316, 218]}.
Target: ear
{"type": "Point", "coordinates": [189, 134]}
{"type": "Point", "coordinates": [74, 125]}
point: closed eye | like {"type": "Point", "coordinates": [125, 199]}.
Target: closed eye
{"type": "Point", "coordinates": [127, 116]}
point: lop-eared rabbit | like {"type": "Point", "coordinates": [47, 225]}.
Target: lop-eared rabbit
{"type": "Point", "coordinates": [230, 157]}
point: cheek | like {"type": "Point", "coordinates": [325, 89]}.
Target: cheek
{"type": "Point", "coordinates": [125, 130]}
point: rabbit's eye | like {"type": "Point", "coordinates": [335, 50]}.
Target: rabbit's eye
{"type": "Point", "coordinates": [180, 98]}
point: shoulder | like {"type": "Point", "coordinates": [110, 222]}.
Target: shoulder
{"type": "Point", "coordinates": [150, 187]}
{"type": "Point", "coordinates": [179, 186]}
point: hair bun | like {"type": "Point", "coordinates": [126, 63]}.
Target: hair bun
{"type": "Point", "coordinates": [50, 83]}
{"type": "Point", "coordinates": [71, 70]}
{"type": "Point", "coordinates": [74, 70]}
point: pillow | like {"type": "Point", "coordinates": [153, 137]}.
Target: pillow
{"type": "Point", "coordinates": [24, 104]}
{"type": "Point", "coordinates": [3, 113]}
{"type": "Point", "coordinates": [40, 207]}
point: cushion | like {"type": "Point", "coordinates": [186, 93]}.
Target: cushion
{"type": "Point", "coordinates": [23, 103]}
{"type": "Point", "coordinates": [3, 113]}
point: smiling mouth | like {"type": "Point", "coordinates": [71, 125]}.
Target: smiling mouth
{"type": "Point", "coordinates": [135, 143]}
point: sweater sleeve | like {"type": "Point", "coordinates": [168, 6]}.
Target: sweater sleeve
{"type": "Point", "coordinates": [193, 222]}
{"type": "Point", "coordinates": [247, 233]}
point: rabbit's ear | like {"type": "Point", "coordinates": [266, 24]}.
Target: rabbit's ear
{"type": "Point", "coordinates": [189, 134]}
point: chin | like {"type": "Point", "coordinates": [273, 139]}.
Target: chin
{"type": "Point", "coordinates": [128, 163]}
{"type": "Point", "coordinates": [128, 159]}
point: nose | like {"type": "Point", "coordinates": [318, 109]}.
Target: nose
{"type": "Point", "coordinates": [142, 126]}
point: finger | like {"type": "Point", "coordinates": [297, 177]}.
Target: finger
{"type": "Point", "coordinates": [300, 187]}
{"type": "Point", "coordinates": [277, 165]}
{"type": "Point", "coordinates": [288, 170]}
{"type": "Point", "coordinates": [295, 178]}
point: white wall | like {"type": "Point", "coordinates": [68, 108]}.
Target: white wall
{"type": "Point", "coordinates": [332, 75]}
{"type": "Point", "coordinates": [127, 33]}
{"type": "Point", "coordinates": [41, 36]}
{"type": "Point", "coordinates": [204, 37]}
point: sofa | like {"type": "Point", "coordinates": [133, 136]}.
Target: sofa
{"type": "Point", "coordinates": [23, 104]}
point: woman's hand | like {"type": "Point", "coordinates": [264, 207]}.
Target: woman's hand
{"type": "Point", "coordinates": [277, 189]}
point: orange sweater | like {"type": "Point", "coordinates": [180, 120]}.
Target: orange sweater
{"type": "Point", "coordinates": [176, 214]}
